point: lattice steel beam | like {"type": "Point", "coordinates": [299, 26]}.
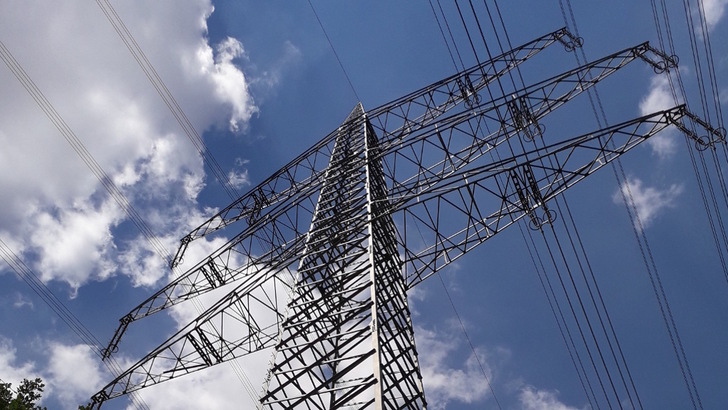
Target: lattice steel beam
{"type": "Point", "coordinates": [338, 244]}
{"type": "Point", "coordinates": [331, 229]}
{"type": "Point", "coordinates": [273, 216]}
{"type": "Point", "coordinates": [274, 235]}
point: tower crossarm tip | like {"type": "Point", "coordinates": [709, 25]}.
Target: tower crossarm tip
{"type": "Point", "coordinates": [459, 142]}
{"type": "Point", "coordinates": [491, 197]}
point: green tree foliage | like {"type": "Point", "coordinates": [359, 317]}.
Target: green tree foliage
{"type": "Point", "coordinates": [27, 394]}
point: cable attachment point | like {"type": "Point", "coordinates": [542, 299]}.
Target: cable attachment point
{"type": "Point", "coordinates": [524, 119]}
{"type": "Point", "coordinates": [570, 41]}
{"type": "Point", "coordinates": [663, 63]}
{"type": "Point", "coordinates": [179, 256]}
{"type": "Point", "coordinates": [702, 143]}
{"type": "Point", "coordinates": [98, 398]}
{"type": "Point", "coordinates": [536, 223]}
{"type": "Point", "coordinates": [530, 198]}
{"type": "Point", "coordinates": [570, 46]}
{"type": "Point", "coordinates": [113, 346]}
{"type": "Point", "coordinates": [467, 91]}
{"type": "Point", "coordinates": [713, 135]}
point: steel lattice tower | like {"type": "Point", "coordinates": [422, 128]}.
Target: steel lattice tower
{"type": "Point", "coordinates": [326, 248]}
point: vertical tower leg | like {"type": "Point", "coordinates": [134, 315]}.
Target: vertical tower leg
{"type": "Point", "coordinates": [348, 342]}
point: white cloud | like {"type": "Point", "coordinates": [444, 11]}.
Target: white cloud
{"type": "Point", "coordinates": [534, 399]}
{"type": "Point", "coordinates": [648, 201]}
{"type": "Point", "coordinates": [714, 10]}
{"type": "Point", "coordinates": [73, 373]}
{"type": "Point", "coordinates": [216, 388]}
{"type": "Point", "coordinates": [443, 383]}
{"type": "Point", "coordinates": [59, 217]}
{"type": "Point", "coordinates": [723, 96]}
{"type": "Point", "coordinates": [229, 81]}
{"type": "Point", "coordinates": [659, 98]}
{"type": "Point", "coordinates": [75, 241]}
{"type": "Point", "coordinates": [234, 384]}
{"type": "Point", "coordinates": [239, 179]}
{"type": "Point", "coordinates": [10, 371]}
{"type": "Point", "coordinates": [268, 80]}
{"type": "Point", "coordinates": [21, 301]}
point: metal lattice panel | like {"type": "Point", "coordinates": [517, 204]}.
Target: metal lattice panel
{"type": "Point", "coordinates": [327, 247]}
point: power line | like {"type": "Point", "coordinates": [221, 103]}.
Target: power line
{"type": "Point", "coordinates": [560, 320]}
{"type": "Point", "coordinates": [442, 32]}
{"type": "Point", "coordinates": [92, 164]}
{"type": "Point", "coordinates": [470, 343]}
{"type": "Point", "coordinates": [485, 43]}
{"type": "Point", "coordinates": [106, 181]}
{"type": "Point", "coordinates": [644, 247]}
{"type": "Point", "coordinates": [184, 122]}
{"type": "Point", "coordinates": [328, 39]}
{"type": "Point", "coordinates": [60, 309]}
{"type": "Point", "coordinates": [151, 73]}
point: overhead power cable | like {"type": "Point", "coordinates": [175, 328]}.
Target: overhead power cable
{"type": "Point", "coordinates": [470, 343]}
{"type": "Point", "coordinates": [561, 322]}
{"type": "Point", "coordinates": [183, 120]}
{"type": "Point", "coordinates": [60, 309]}
{"type": "Point", "coordinates": [635, 220]}
{"type": "Point", "coordinates": [321, 24]}
{"type": "Point", "coordinates": [534, 254]}
{"type": "Point", "coordinates": [700, 178]}
{"type": "Point", "coordinates": [151, 73]}
{"type": "Point", "coordinates": [106, 181]}
{"type": "Point", "coordinates": [576, 290]}
{"type": "Point", "coordinates": [452, 38]}
{"type": "Point", "coordinates": [503, 91]}
{"type": "Point", "coordinates": [442, 32]}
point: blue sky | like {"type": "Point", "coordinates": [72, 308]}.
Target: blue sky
{"type": "Point", "coordinates": [260, 84]}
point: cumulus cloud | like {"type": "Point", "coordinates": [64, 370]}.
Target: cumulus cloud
{"type": "Point", "coordinates": [659, 98]}
{"type": "Point", "coordinates": [714, 10]}
{"type": "Point", "coordinates": [443, 383]}
{"type": "Point", "coordinates": [73, 373]}
{"type": "Point", "coordinates": [229, 81]}
{"type": "Point", "coordinates": [59, 216]}
{"type": "Point", "coordinates": [648, 201]}
{"type": "Point", "coordinates": [224, 386]}
{"type": "Point", "coordinates": [11, 371]}
{"type": "Point", "coordinates": [239, 179]}
{"type": "Point", "coordinates": [534, 399]}
{"type": "Point", "coordinates": [74, 242]}
{"type": "Point", "coordinates": [21, 300]}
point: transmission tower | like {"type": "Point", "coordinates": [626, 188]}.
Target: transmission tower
{"type": "Point", "coordinates": [326, 248]}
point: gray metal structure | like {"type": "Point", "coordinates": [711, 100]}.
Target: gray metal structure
{"type": "Point", "coordinates": [326, 248]}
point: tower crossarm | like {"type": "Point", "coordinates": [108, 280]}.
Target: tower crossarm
{"type": "Point", "coordinates": [272, 212]}
{"type": "Point", "coordinates": [467, 208]}
{"type": "Point", "coordinates": [339, 281]}
{"type": "Point", "coordinates": [415, 162]}
{"type": "Point", "coordinates": [270, 242]}
{"type": "Point", "coordinates": [275, 231]}
{"type": "Point", "coordinates": [246, 320]}
{"type": "Point", "coordinates": [419, 108]}
{"type": "Point", "coordinates": [227, 329]}
{"type": "Point", "coordinates": [470, 206]}
{"type": "Point", "coordinates": [411, 111]}
{"type": "Point", "coordinates": [277, 194]}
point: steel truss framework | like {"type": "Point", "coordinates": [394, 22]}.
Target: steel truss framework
{"type": "Point", "coordinates": [327, 247]}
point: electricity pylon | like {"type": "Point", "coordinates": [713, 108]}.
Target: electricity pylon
{"type": "Point", "coordinates": [326, 248]}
